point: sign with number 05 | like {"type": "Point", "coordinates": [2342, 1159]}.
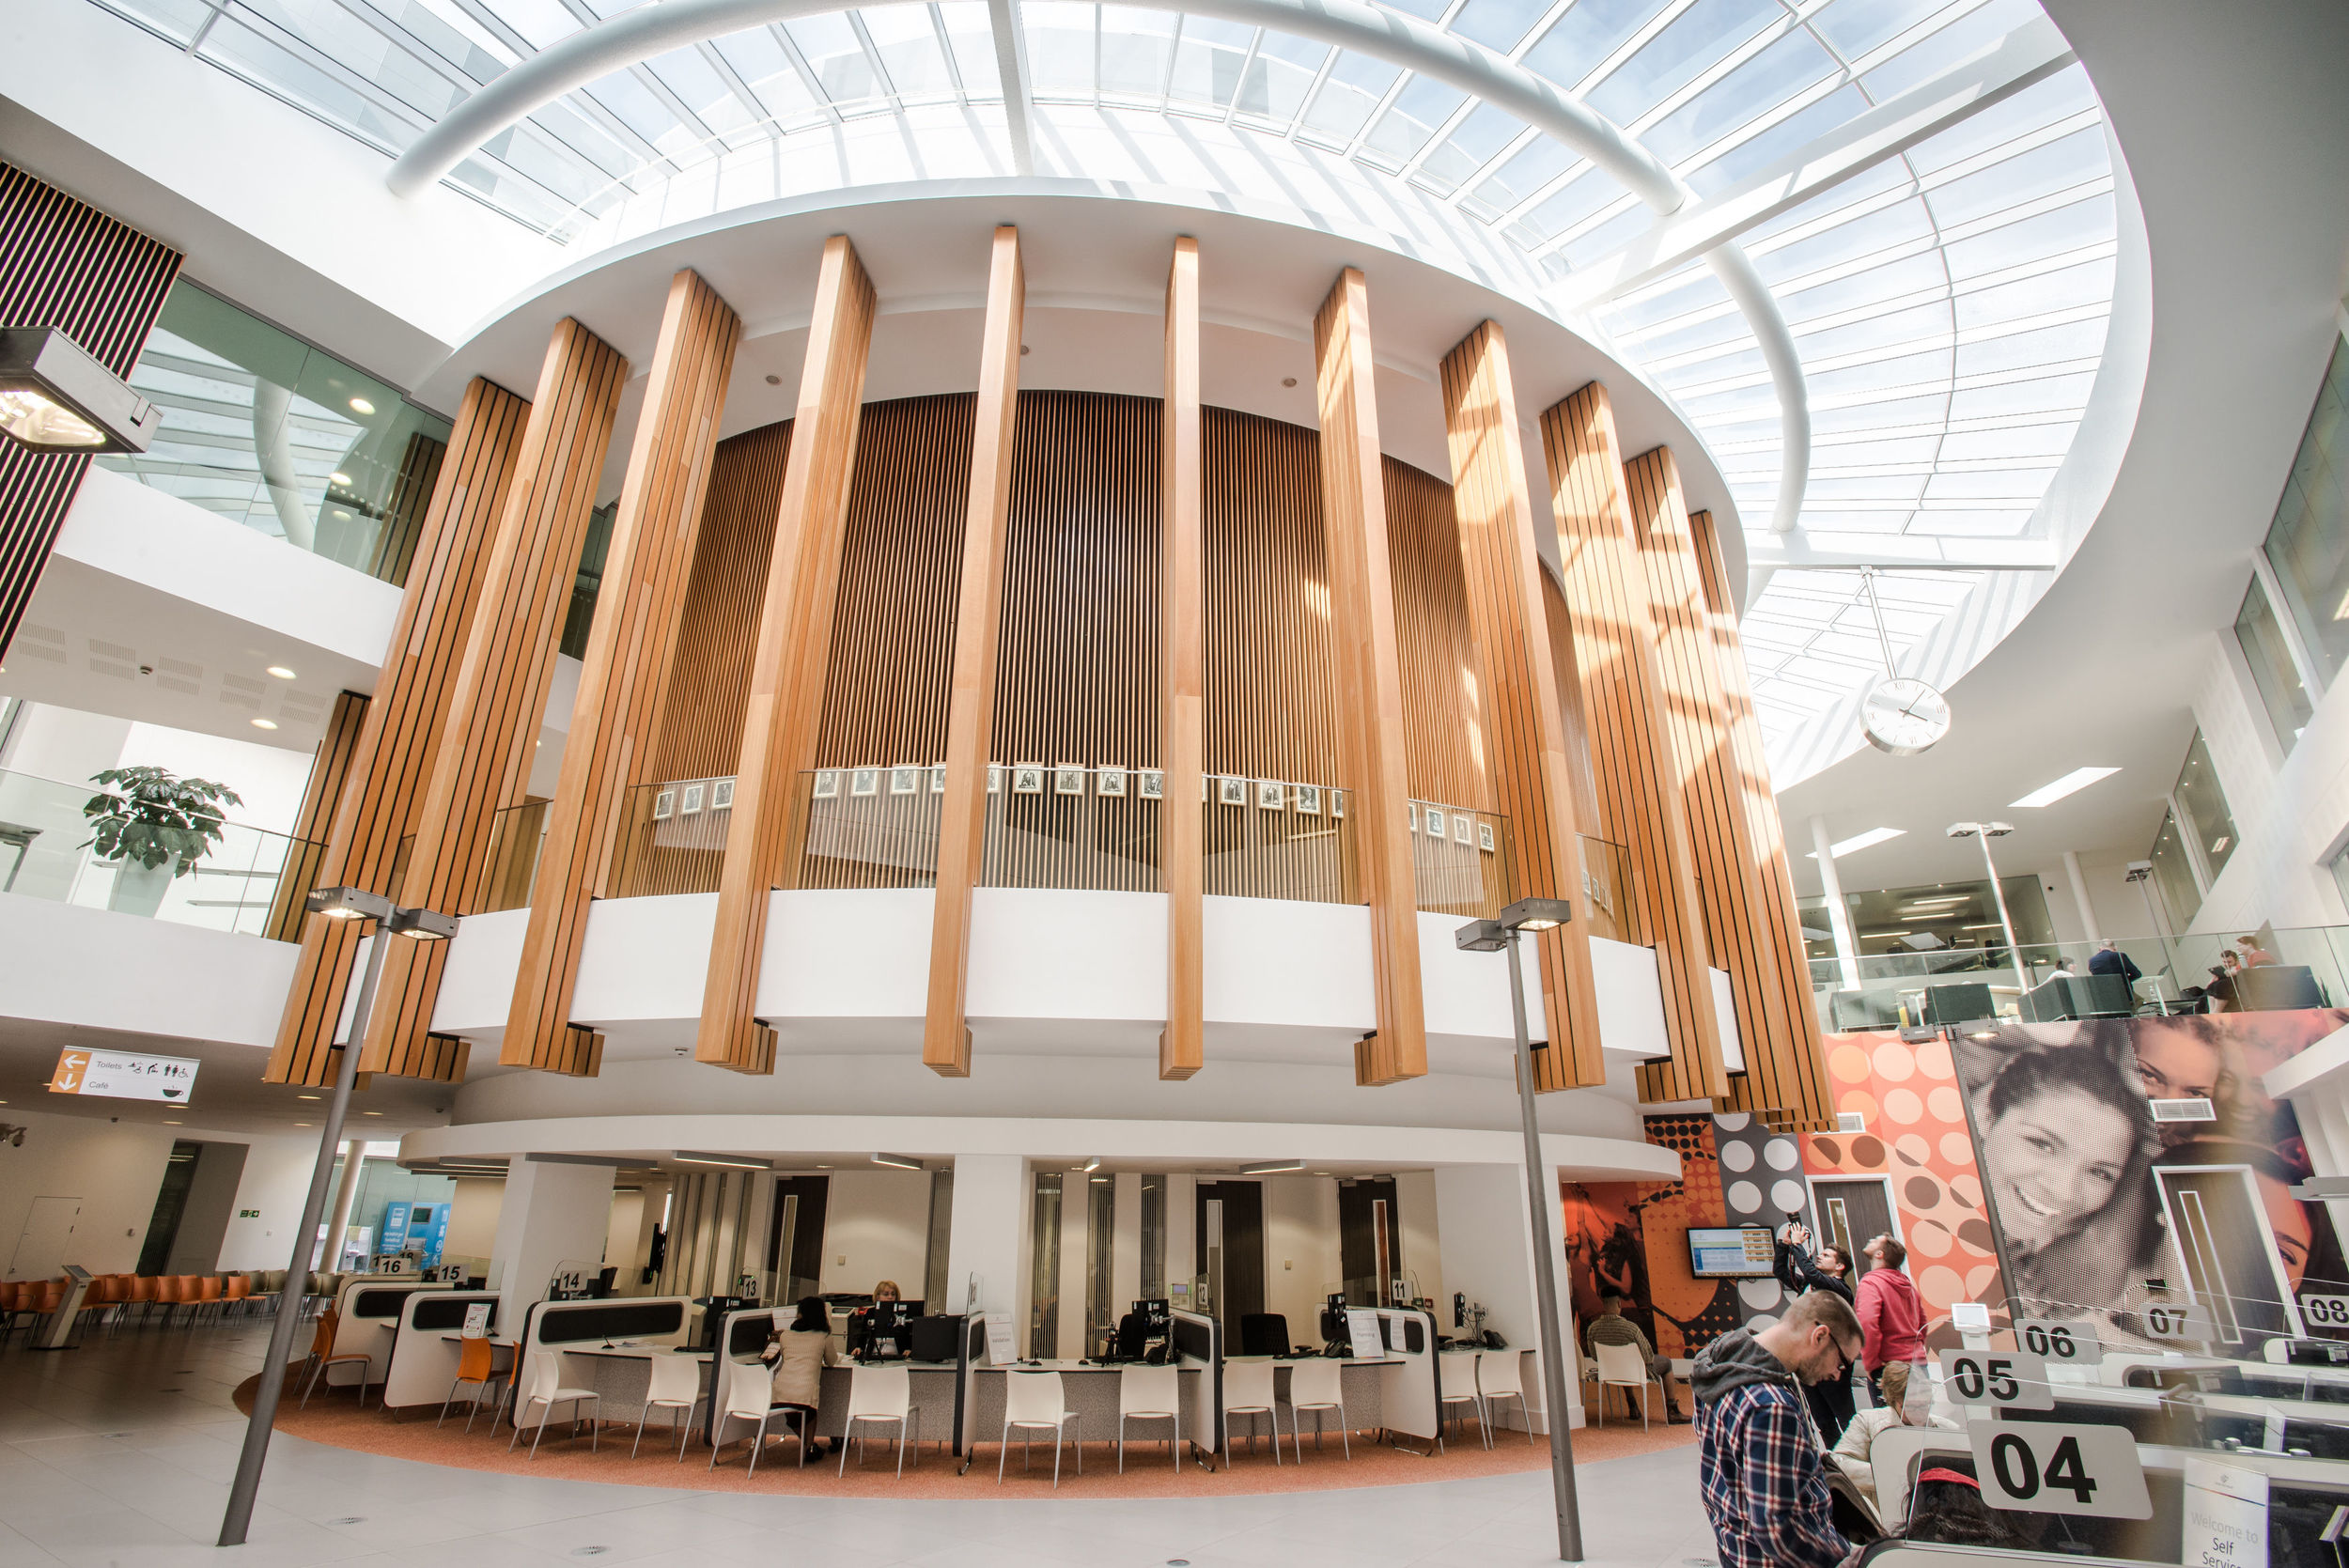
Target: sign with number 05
{"type": "Point", "coordinates": [2047, 1467]}
{"type": "Point", "coordinates": [2176, 1320]}
{"type": "Point", "coordinates": [2069, 1341]}
{"type": "Point", "coordinates": [2324, 1312]}
{"type": "Point", "coordinates": [1996, 1377]}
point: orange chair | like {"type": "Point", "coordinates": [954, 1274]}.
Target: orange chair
{"type": "Point", "coordinates": [322, 1357]}
{"type": "Point", "coordinates": [103, 1296]}
{"type": "Point", "coordinates": [236, 1291]}
{"type": "Point", "coordinates": [208, 1295]}
{"type": "Point", "coordinates": [190, 1286]}
{"type": "Point", "coordinates": [12, 1298]}
{"type": "Point", "coordinates": [142, 1294]}
{"type": "Point", "coordinates": [477, 1364]}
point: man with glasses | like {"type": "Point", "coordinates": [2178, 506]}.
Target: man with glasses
{"type": "Point", "coordinates": [1759, 1456]}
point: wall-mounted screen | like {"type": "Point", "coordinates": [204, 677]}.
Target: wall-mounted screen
{"type": "Point", "coordinates": [1738, 1253]}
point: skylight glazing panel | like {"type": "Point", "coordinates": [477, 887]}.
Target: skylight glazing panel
{"type": "Point", "coordinates": [700, 89]}
{"type": "Point", "coordinates": [2050, 440]}
{"type": "Point", "coordinates": [1624, 226]}
{"type": "Point", "coordinates": [1584, 197]}
{"type": "Point", "coordinates": [1060, 48]}
{"type": "Point", "coordinates": [2068, 288]}
{"type": "Point", "coordinates": [634, 105]}
{"type": "Point", "coordinates": [1422, 106]}
{"type": "Point", "coordinates": [971, 36]}
{"type": "Point", "coordinates": [2062, 165]}
{"type": "Point", "coordinates": [1764, 148]}
{"type": "Point", "coordinates": [1915, 322]}
{"type": "Point", "coordinates": [364, 52]}
{"type": "Point", "coordinates": [568, 129]}
{"type": "Point", "coordinates": [526, 151]}
{"type": "Point", "coordinates": [177, 19]}
{"type": "Point", "coordinates": [543, 22]}
{"type": "Point", "coordinates": [1701, 37]}
{"type": "Point", "coordinates": [1473, 143]}
{"type": "Point", "coordinates": [1583, 39]}
{"type": "Point", "coordinates": [1279, 77]}
{"type": "Point", "coordinates": [268, 65]}
{"type": "Point", "coordinates": [1135, 45]}
{"type": "Point", "coordinates": [908, 46]}
{"type": "Point", "coordinates": [1540, 162]}
{"type": "Point", "coordinates": [1945, 47]}
{"type": "Point", "coordinates": [443, 28]}
{"type": "Point", "coordinates": [2065, 396]}
{"type": "Point", "coordinates": [1853, 27]}
{"type": "Point", "coordinates": [1868, 234]}
{"type": "Point", "coordinates": [1353, 88]}
{"type": "Point", "coordinates": [758, 58]}
{"type": "Point", "coordinates": [1207, 61]}
{"type": "Point", "coordinates": [1870, 286]}
{"type": "Point", "coordinates": [833, 52]}
{"type": "Point", "coordinates": [2065, 345]}
{"type": "Point", "coordinates": [2078, 226]}
{"type": "Point", "coordinates": [1779, 72]}
{"type": "Point", "coordinates": [1499, 24]}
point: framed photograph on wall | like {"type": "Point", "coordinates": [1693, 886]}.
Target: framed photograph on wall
{"type": "Point", "coordinates": [1231, 792]}
{"type": "Point", "coordinates": [1434, 822]}
{"type": "Point", "coordinates": [1153, 783]}
{"type": "Point", "coordinates": [904, 780]}
{"type": "Point", "coordinates": [1337, 804]}
{"type": "Point", "coordinates": [1460, 827]}
{"type": "Point", "coordinates": [689, 802]}
{"type": "Point", "coordinates": [1111, 782]}
{"type": "Point", "coordinates": [937, 778]}
{"type": "Point", "coordinates": [994, 778]}
{"type": "Point", "coordinates": [1485, 837]}
{"type": "Point", "coordinates": [665, 805]}
{"type": "Point", "coordinates": [722, 795]}
{"type": "Point", "coordinates": [864, 781]}
{"type": "Point", "coordinates": [1272, 795]}
{"type": "Point", "coordinates": [1068, 778]}
{"type": "Point", "coordinates": [1027, 778]}
{"type": "Point", "coordinates": [1410, 815]}
{"type": "Point", "coordinates": [827, 784]}
{"type": "Point", "coordinates": [1309, 799]}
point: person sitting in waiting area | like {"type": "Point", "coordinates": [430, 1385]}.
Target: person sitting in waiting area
{"type": "Point", "coordinates": [1611, 1327]}
{"type": "Point", "coordinates": [800, 1353]}
{"type": "Point", "coordinates": [2109, 959]}
{"type": "Point", "coordinates": [1903, 1406]}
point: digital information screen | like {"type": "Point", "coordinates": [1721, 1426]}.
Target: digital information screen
{"type": "Point", "coordinates": [1729, 1254]}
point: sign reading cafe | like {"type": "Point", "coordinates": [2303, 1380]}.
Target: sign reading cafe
{"type": "Point", "coordinates": [124, 1075]}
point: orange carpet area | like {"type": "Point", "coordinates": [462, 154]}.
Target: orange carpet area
{"type": "Point", "coordinates": [336, 1419]}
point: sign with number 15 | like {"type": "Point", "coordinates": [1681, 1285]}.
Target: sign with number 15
{"type": "Point", "coordinates": [2047, 1468]}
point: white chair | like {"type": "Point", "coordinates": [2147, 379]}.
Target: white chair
{"type": "Point", "coordinates": [750, 1397]}
{"type": "Point", "coordinates": [675, 1384]}
{"type": "Point", "coordinates": [882, 1394]}
{"type": "Point", "coordinates": [1501, 1375]}
{"type": "Point", "coordinates": [1034, 1401]}
{"type": "Point", "coordinates": [1317, 1385]}
{"type": "Point", "coordinates": [1147, 1394]}
{"type": "Point", "coordinates": [1459, 1387]}
{"type": "Point", "coordinates": [546, 1388]}
{"type": "Point", "coordinates": [1248, 1392]}
{"type": "Point", "coordinates": [1620, 1366]}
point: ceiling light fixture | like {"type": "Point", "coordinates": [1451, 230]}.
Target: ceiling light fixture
{"type": "Point", "coordinates": [281, 672]}
{"type": "Point", "coordinates": [1271, 1167]}
{"type": "Point", "coordinates": [54, 396]}
{"type": "Point", "coordinates": [899, 1162]}
{"type": "Point", "coordinates": [1093, 1164]}
{"type": "Point", "coordinates": [264, 724]}
{"type": "Point", "coordinates": [360, 405]}
{"type": "Point", "coordinates": [339, 478]}
{"type": "Point", "coordinates": [1858, 842]}
{"type": "Point", "coordinates": [2071, 784]}
{"type": "Point", "coordinates": [731, 1163]}
{"type": "Point", "coordinates": [1871, 936]}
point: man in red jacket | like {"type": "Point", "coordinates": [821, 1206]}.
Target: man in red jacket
{"type": "Point", "coordinates": [1892, 1314]}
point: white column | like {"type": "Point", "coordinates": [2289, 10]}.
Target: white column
{"type": "Point", "coordinates": [1125, 1269]}
{"type": "Point", "coordinates": [988, 1236]}
{"type": "Point", "coordinates": [556, 1212]}
{"type": "Point", "coordinates": [1076, 1199]}
{"type": "Point", "coordinates": [1182, 1239]}
{"type": "Point", "coordinates": [2089, 928]}
{"type": "Point", "coordinates": [1838, 912]}
{"type": "Point", "coordinates": [1489, 1254]}
{"type": "Point", "coordinates": [346, 1195]}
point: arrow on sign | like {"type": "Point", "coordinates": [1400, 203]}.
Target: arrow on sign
{"type": "Point", "coordinates": [71, 1065]}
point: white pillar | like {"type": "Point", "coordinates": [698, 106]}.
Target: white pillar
{"type": "Point", "coordinates": [988, 1236]}
{"type": "Point", "coordinates": [2079, 895]}
{"type": "Point", "coordinates": [1075, 1211]}
{"type": "Point", "coordinates": [1838, 912]}
{"type": "Point", "coordinates": [346, 1196]}
{"type": "Point", "coordinates": [1182, 1241]}
{"type": "Point", "coordinates": [1126, 1266]}
{"type": "Point", "coordinates": [555, 1211]}
{"type": "Point", "coordinates": [1488, 1256]}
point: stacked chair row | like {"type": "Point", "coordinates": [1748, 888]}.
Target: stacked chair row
{"type": "Point", "coordinates": [112, 1298]}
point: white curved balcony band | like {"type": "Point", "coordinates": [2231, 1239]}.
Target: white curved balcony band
{"type": "Point", "coordinates": [649, 30]}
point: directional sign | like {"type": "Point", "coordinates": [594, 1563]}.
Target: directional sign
{"type": "Point", "coordinates": [1996, 1377]}
{"type": "Point", "coordinates": [2065, 1342]}
{"type": "Point", "coordinates": [2049, 1467]}
{"type": "Point", "coordinates": [123, 1075]}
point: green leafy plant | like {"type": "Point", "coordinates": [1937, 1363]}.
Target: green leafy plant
{"type": "Point", "coordinates": [150, 816]}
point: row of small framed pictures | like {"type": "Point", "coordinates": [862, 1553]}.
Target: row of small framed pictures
{"type": "Point", "coordinates": [1460, 826]}
{"type": "Point", "coordinates": [690, 799]}
{"type": "Point", "coordinates": [1027, 778]}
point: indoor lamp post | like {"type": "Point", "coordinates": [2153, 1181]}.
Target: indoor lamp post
{"type": "Point", "coordinates": [392, 919]}
{"type": "Point", "coordinates": [1487, 936]}
{"type": "Point", "coordinates": [1987, 832]}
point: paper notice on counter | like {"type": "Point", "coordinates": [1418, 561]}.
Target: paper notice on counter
{"type": "Point", "coordinates": [1001, 1351]}
{"type": "Point", "coordinates": [1361, 1331]}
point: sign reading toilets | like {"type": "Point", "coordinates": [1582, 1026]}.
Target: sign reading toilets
{"type": "Point", "coordinates": [123, 1075]}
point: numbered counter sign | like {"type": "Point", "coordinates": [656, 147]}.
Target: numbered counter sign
{"type": "Point", "coordinates": [2177, 1320]}
{"type": "Point", "coordinates": [2324, 1312]}
{"type": "Point", "coordinates": [2062, 1341]}
{"type": "Point", "coordinates": [2047, 1468]}
{"type": "Point", "coordinates": [1996, 1377]}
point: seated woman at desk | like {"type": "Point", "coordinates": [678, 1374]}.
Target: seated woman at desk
{"type": "Point", "coordinates": [1903, 1406]}
{"type": "Point", "coordinates": [800, 1354]}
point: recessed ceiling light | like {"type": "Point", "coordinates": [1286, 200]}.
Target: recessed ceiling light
{"type": "Point", "coordinates": [301, 1124]}
{"type": "Point", "coordinates": [360, 405]}
{"type": "Point", "coordinates": [264, 724]}
{"type": "Point", "coordinates": [340, 478]}
{"type": "Point", "coordinates": [305, 1097]}
{"type": "Point", "coordinates": [281, 672]}
{"type": "Point", "coordinates": [169, 1123]}
{"type": "Point", "coordinates": [2072, 782]}
{"type": "Point", "coordinates": [1858, 842]}
{"type": "Point", "coordinates": [370, 1113]}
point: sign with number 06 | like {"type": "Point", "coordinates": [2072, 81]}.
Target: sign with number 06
{"type": "Point", "coordinates": [2324, 1312]}
{"type": "Point", "coordinates": [2069, 1341]}
{"type": "Point", "coordinates": [1996, 1377]}
{"type": "Point", "coordinates": [2177, 1320]}
{"type": "Point", "coordinates": [2047, 1467]}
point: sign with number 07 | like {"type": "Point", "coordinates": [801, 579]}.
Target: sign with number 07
{"type": "Point", "coordinates": [2324, 1312]}
{"type": "Point", "coordinates": [2177, 1320]}
{"type": "Point", "coordinates": [2067, 1342]}
{"type": "Point", "coordinates": [2047, 1468]}
{"type": "Point", "coordinates": [1996, 1377]}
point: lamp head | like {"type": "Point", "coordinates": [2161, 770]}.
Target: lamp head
{"type": "Point", "coordinates": [1962, 829]}
{"type": "Point", "coordinates": [1537, 914]}
{"type": "Point", "coordinates": [348, 904]}
{"type": "Point", "coordinates": [422, 924]}
{"type": "Point", "coordinates": [1997, 830]}
{"type": "Point", "coordinates": [55, 397]}
{"type": "Point", "coordinates": [1480, 936]}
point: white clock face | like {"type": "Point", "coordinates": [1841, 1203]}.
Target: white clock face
{"type": "Point", "coordinates": [1904, 716]}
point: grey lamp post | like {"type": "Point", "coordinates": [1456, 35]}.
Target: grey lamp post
{"type": "Point", "coordinates": [390, 919]}
{"type": "Point", "coordinates": [1987, 832]}
{"type": "Point", "coordinates": [1487, 936]}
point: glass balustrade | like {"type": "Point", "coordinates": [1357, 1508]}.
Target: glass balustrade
{"type": "Point", "coordinates": [1460, 860]}
{"type": "Point", "coordinates": [1265, 839]}
{"type": "Point", "coordinates": [672, 838]}
{"type": "Point", "coordinates": [1086, 829]}
{"type": "Point", "coordinates": [251, 881]}
{"type": "Point", "coordinates": [517, 834]}
{"type": "Point", "coordinates": [1610, 903]}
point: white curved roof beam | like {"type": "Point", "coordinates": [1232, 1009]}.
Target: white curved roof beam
{"type": "Point", "coordinates": [1011, 63]}
{"type": "Point", "coordinates": [1811, 552]}
{"type": "Point", "coordinates": [2026, 57]}
{"type": "Point", "coordinates": [648, 30]}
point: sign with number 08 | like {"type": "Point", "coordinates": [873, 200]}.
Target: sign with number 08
{"type": "Point", "coordinates": [2070, 1341]}
{"type": "Point", "coordinates": [2047, 1467]}
{"type": "Point", "coordinates": [2324, 1312]}
{"type": "Point", "coordinates": [1996, 1377]}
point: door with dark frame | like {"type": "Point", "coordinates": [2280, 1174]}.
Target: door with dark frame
{"type": "Point", "coordinates": [1230, 1220]}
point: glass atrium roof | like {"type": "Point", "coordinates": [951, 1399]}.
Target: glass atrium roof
{"type": "Point", "coordinates": [1948, 304]}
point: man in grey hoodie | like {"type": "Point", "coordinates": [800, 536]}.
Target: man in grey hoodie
{"type": "Point", "coordinates": [1759, 1460]}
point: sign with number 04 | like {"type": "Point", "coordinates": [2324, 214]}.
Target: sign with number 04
{"type": "Point", "coordinates": [2324, 1312]}
{"type": "Point", "coordinates": [2047, 1468]}
{"type": "Point", "coordinates": [2068, 1341]}
{"type": "Point", "coordinates": [1996, 1377]}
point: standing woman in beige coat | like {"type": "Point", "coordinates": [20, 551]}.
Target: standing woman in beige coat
{"type": "Point", "coordinates": [800, 1353]}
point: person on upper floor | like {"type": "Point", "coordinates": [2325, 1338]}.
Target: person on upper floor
{"type": "Point", "coordinates": [1892, 1314]}
{"type": "Point", "coordinates": [2109, 959]}
{"type": "Point", "coordinates": [2253, 954]}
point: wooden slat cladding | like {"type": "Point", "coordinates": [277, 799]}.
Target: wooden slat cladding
{"type": "Point", "coordinates": [64, 264]}
{"type": "Point", "coordinates": [498, 702]}
{"type": "Point", "coordinates": [969, 718]}
{"type": "Point", "coordinates": [314, 823]}
{"type": "Point", "coordinates": [1518, 711]}
{"type": "Point", "coordinates": [1791, 1064]}
{"type": "Point", "coordinates": [1182, 670]}
{"type": "Point", "coordinates": [1615, 658]}
{"type": "Point", "coordinates": [400, 735]}
{"type": "Point", "coordinates": [1371, 728]}
{"type": "Point", "coordinates": [784, 708]}
{"type": "Point", "coordinates": [1435, 645]}
{"type": "Point", "coordinates": [625, 673]}
{"type": "Point", "coordinates": [1720, 841]}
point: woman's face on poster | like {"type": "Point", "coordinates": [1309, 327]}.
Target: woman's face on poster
{"type": "Point", "coordinates": [2295, 1233]}
{"type": "Point", "coordinates": [2054, 1160]}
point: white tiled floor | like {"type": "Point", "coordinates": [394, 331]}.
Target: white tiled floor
{"type": "Point", "coordinates": [119, 1453]}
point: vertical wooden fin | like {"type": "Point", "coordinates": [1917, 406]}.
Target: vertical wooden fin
{"type": "Point", "coordinates": [1790, 1066]}
{"type": "Point", "coordinates": [1182, 665]}
{"type": "Point", "coordinates": [314, 824]}
{"type": "Point", "coordinates": [1369, 676]}
{"type": "Point", "coordinates": [499, 700]}
{"type": "Point", "coordinates": [1622, 695]}
{"type": "Point", "coordinates": [788, 669]}
{"type": "Point", "coordinates": [1519, 709]}
{"type": "Point", "coordinates": [616, 716]}
{"type": "Point", "coordinates": [382, 794]}
{"type": "Point", "coordinates": [971, 699]}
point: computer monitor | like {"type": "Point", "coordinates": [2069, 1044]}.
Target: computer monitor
{"type": "Point", "coordinates": [1156, 1313]}
{"type": "Point", "coordinates": [884, 1326]}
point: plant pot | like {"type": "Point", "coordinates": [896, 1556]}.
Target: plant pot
{"type": "Point", "coordinates": [139, 890]}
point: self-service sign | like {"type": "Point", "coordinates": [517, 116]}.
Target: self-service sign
{"type": "Point", "coordinates": [2052, 1467]}
{"type": "Point", "coordinates": [122, 1076]}
{"type": "Point", "coordinates": [1996, 1377]}
{"type": "Point", "coordinates": [2226, 1517]}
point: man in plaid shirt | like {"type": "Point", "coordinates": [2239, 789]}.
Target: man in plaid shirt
{"type": "Point", "coordinates": [1759, 1456]}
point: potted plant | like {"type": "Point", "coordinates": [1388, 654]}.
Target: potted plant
{"type": "Point", "coordinates": [154, 825]}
